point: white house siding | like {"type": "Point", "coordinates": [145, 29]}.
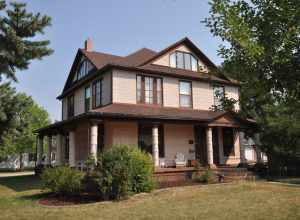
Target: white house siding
{"type": "Point", "coordinates": [120, 133]}
{"type": "Point", "coordinates": [79, 101]}
{"type": "Point", "coordinates": [124, 87]}
{"type": "Point", "coordinates": [170, 92]}
{"type": "Point", "coordinates": [176, 139]}
{"type": "Point", "coordinates": [202, 95]}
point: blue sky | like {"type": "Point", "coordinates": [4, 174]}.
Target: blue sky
{"type": "Point", "coordinates": [115, 26]}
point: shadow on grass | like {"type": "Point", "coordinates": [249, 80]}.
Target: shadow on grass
{"type": "Point", "coordinates": [21, 183]}
{"type": "Point", "coordinates": [34, 197]}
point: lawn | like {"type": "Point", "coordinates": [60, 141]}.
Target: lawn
{"type": "Point", "coordinates": [243, 200]}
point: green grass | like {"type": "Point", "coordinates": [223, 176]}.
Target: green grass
{"type": "Point", "coordinates": [244, 200]}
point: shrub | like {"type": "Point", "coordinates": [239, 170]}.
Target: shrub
{"type": "Point", "coordinates": [123, 170]}
{"type": "Point", "coordinates": [207, 177]}
{"type": "Point", "coordinates": [62, 180]}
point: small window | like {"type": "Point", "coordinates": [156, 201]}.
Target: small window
{"type": "Point", "coordinates": [139, 88]}
{"type": "Point", "coordinates": [97, 93]}
{"type": "Point", "coordinates": [187, 61]}
{"type": "Point", "coordinates": [185, 94]}
{"type": "Point", "coordinates": [71, 106]}
{"type": "Point", "coordinates": [158, 91]}
{"type": "Point", "coordinates": [83, 69]}
{"type": "Point", "coordinates": [219, 94]}
{"type": "Point", "coordinates": [87, 98]}
{"type": "Point", "coordinates": [149, 90]}
{"type": "Point", "coordinates": [179, 60]}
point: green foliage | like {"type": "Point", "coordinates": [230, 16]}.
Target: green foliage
{"type": "Point", "coordinates": [18, 32]}
{"type": "Point", "coordinates": [207, 177]}
{"type": "Point", "coordinates": [19, 117]}
{"type": "Point", "coordinates": [123, 170]}
{"type": "Point", "coordinates": [262, 52]}
{"type": "Point", "coordinates": [63, 180]}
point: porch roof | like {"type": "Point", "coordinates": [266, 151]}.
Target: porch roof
{"type": "Point", "coordinates": [152, 113]}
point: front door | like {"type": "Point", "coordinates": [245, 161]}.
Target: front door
{"type": "Point", "coordinates": [200, 144]}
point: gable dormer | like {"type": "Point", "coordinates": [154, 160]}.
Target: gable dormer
{"type": "Point", "coordinates": [183, 55]}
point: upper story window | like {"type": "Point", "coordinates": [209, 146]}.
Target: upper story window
{"type": "Point", "coordinates": [70, 104]}
{"type": "Point", "coordinates": [83, 69]}
{"type": "Point", "coordinates": [97, 93]}
{"type": "Point", "coordinates": [87, 98]}
{"type": "Point", "coordinates": [149, 90]}
{"type": "Point", "coordinates": [185, 94]}
{"type": "Point", "coordinates": [183, 60]}
{"type": "Point", "coordinates": [219, 94]}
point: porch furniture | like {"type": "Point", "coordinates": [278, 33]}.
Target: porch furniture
{"type": "Point", "coordinates": [162, 163]}
{"type": "Point", "coordinates": [81, 165]}
{"type": "Point", "coordinates": [180, 160]}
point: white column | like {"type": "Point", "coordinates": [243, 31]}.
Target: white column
{"type": "Point", "coordinates": [40, 149]}
{"type": "Point", "coordinates": [72, 161]}
{"type": "Point", "coordinates": [48, 159]}
{"type": "Point", "coordinates": [155, 150]}
{"type": "Point", "coordinates": [209, 145]}
{"type": "Point", "coordinates": [94, 141]}
{"type": "Point", "coordinates": [58, 149]}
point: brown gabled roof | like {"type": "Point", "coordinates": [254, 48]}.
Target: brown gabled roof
{"type": "Point", "coordinates": [141, 60]}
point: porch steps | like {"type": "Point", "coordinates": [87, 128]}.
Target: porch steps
{"type": "Point", "coordinates": [176, 177]}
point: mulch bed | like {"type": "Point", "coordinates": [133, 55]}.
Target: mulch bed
{"type": "Point", "coordinates": [55, 200]}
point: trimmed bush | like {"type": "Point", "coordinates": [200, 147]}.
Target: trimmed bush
{"type": "Point", "coordinates": [208, 177]}
{"type": "Point", "coordinates": [122, 171]}
{"type": "Point", "coordinates": [62, 180]}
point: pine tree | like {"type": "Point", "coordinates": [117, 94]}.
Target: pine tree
{"type": "Point", "coordinates": [18, 46]}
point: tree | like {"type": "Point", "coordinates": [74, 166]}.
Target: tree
{"type": "Point", "coordinates": [28, 116]}
{"type": "Point", "coordinates": [18, 45]}
{"type": "Point", "coordinates": [261, 49]}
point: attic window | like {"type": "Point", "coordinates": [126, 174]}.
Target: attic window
{"type": "Point", "coordinates": [83, 69]}
{"type": "Point", "coordinates": [183, 60]}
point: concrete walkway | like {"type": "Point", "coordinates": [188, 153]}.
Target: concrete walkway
{"type": "Point", "coordinates": [10, 174]}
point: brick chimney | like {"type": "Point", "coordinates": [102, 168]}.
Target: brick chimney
{"type": "Point", "coordinates": [88, 45]}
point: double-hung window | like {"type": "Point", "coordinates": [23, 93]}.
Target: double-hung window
{"type": "Point", "coordinates": [149, 90]}
{"type": "Point", "coordinates": [97, 93]}
{"type": "Point", "coordinates": [87, 98]}
{"type": "Point", "coordinates": [185, 94]}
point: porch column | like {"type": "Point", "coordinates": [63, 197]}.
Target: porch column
{"type": "Point", "coordinates": [94, 141]}
{"type": "Point", "coordinates": [58, 149]}
{"type": "Point", "coordinates": [72, 161]}
{"type": "Point", "coordinates": [40, 150]}
{"type": "Point", "coordinates": [155, 150]}
{"type": "Point", "coordinates": [209, 144]}
{"type": "Point", "coordinates": [48, 158]}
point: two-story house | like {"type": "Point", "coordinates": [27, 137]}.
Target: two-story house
{"type": "Point", "coordinates": [157, 101]}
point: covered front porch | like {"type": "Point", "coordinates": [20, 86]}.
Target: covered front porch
{"type": "Point", "coordinates": [172, 144]}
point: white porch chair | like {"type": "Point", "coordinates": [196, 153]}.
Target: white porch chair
{"type": "Point", "coordinates": [180, 160]}
{"type": "Point", "coordinates": [162, 162]}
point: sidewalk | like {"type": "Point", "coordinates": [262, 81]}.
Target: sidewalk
{"type": "Point", "coordinates": [10, 174]}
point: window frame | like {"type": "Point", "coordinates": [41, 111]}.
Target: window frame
{"type": "Point", "coordinates": [94, 105]}
{"type": "Point", "coordinates": [71, 106]}
{"type": "Point", "coordinates": [184, 65]}
{"type": "Point", "coordinates": [191, 93]}
{"type": "Point", "coordinates": [87, 106]}
{"type": "Point", "coordinates": [142, 89]}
